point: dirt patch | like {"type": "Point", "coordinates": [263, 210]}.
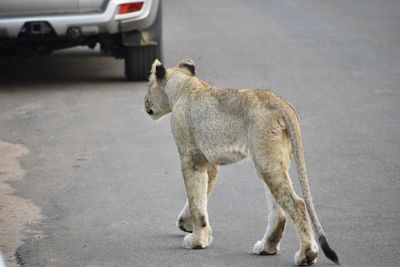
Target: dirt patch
{"type": "Point", "coordinates": [16, 213]}
{"type": "Point", "coordinates": [20, 111]}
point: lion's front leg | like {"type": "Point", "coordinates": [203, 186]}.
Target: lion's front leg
{"type": "Point", "coordinates": [194, 170]}
{"type": "Point", "coordinates": [184, 221]}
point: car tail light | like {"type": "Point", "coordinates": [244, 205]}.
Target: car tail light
{"type": "Point", "coordinates": [130, 7]}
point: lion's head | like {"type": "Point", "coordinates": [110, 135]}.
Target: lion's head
{"type": "Point", "coordinates": [161, 80]}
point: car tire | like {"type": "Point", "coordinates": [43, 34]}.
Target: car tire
{"type": "Point", "coordinates": [138, 59]}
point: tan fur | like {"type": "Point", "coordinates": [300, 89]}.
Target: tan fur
{"type": "Point", "coordinates": [215, 127]}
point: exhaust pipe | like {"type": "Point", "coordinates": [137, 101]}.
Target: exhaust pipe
{"type": "Point", "coordinates": [74, 33]}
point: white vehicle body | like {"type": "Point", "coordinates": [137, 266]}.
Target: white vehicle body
{"type": "Point", "coordinates": [105, 20]}
{"type": "Point", "coordinates": [122, 27]}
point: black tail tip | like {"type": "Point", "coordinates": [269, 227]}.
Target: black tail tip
{"type": "Point", "coordinates": [327, 250]}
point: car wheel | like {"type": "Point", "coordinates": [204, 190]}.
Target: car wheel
{"type": "Point", "coordinates": [138, 61]}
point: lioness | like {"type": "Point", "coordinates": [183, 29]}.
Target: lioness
{"type": "Point", "coordinates": [215, 127]}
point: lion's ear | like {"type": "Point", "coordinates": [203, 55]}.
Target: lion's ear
{"type": "Point", "coordinates": [154, 65]}
{"type": "Point", "coordinates": [160, 72]}
{"type": "Point", "coordinates": [187, 64]}
{"type": "Point", "coordinates": [158, 69]}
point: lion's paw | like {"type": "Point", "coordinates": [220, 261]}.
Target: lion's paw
{"type": "Point", "coordinates": [308, 258]}
{"type": "Point", "coordinates": [185, 224]}
{"type": "Point", "coordinates": [191, 242]}
{"type": "Point", "coordinates": [260, 249]}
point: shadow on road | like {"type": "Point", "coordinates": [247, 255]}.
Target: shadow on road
{"type": "Point", "coordinates": [173, 236]}
{"type": "Point", "coordinates": [62, 68]}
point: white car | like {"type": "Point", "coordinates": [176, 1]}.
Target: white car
{"type": "Point", "coordinates": [128, 29]}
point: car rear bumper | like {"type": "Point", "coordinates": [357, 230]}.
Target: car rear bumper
{"type": "Point", "coordinates": [89, 24]}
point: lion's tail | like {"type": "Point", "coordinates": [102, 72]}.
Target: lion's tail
{"type": "Point", "coordinates": [293, 127]}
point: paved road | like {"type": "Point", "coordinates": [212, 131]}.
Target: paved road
{"type": "Point", "coordinates": [107, 178]}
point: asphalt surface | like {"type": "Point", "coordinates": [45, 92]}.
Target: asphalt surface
{"type": "Point", "coordinates": [107, 178]}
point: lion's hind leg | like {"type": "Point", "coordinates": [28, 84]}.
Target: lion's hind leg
{"type": "Point", "coordinates": [282, 190]}
{"type": "Point", "coordinates": [269, 244]}
{"type": "Point", "coordinates": [271, 155]}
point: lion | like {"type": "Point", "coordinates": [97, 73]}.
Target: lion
{"type": "Point", "coordinates": [214, 127]}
